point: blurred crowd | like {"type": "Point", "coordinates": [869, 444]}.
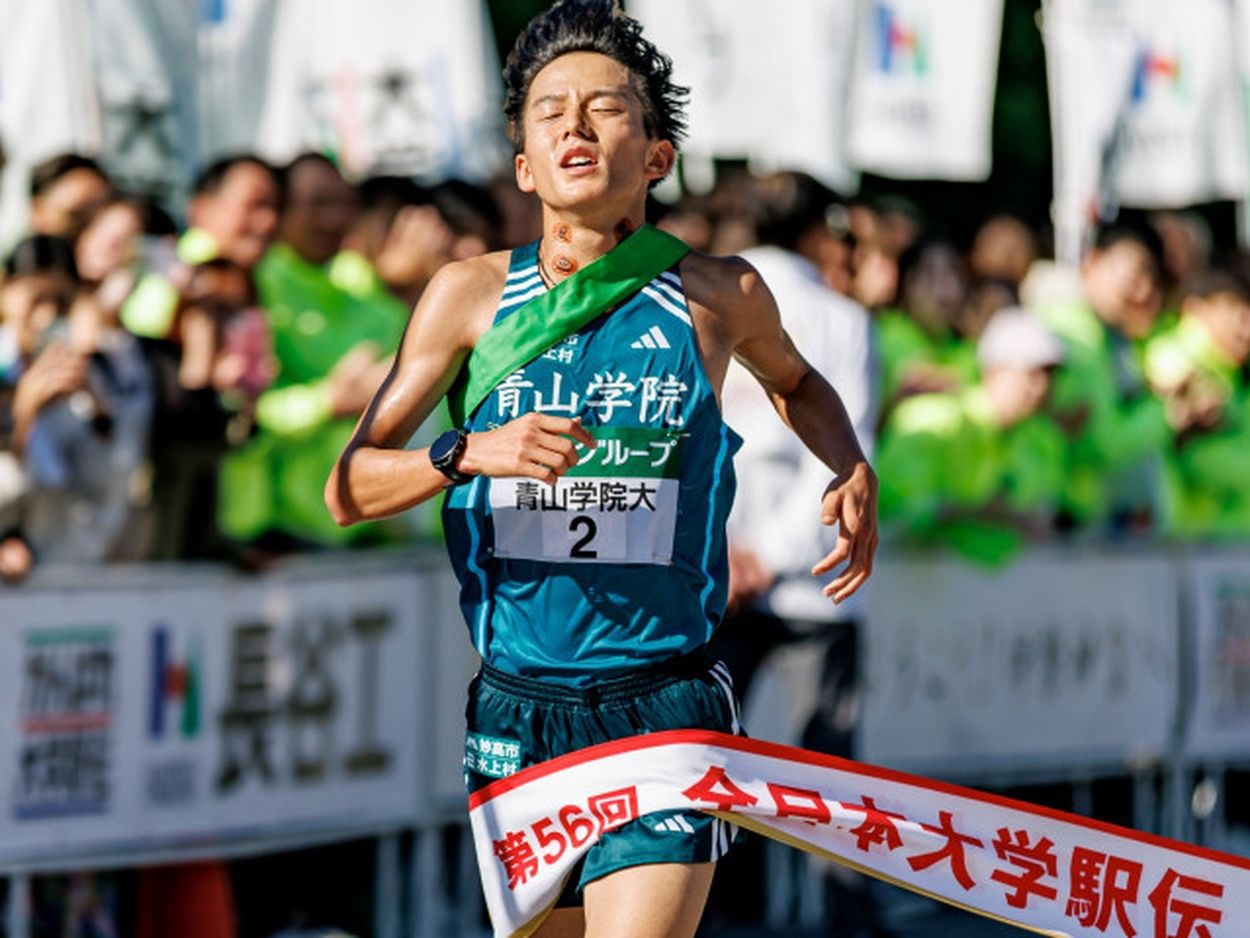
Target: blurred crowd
{"type": "Point", "coordinates": [1019, 401]}
{"type": "Point", "coordinates": [176, 381]}
{"type": "Point", "coordinates": [180, 391]}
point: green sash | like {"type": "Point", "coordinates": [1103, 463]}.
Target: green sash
{"type": "Point", "coordinates": [568, 306]}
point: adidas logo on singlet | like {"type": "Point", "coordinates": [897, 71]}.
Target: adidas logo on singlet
{"type": "Point", "coordinates": [652, 338]}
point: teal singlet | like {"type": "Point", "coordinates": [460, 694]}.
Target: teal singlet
{"type": "Point", "coordinates": [622, 563]}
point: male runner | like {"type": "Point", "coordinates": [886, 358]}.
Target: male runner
{"type": "Point", "coordinates": [586, 521]}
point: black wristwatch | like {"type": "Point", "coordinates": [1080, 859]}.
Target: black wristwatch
{"type": "Point", "coordinates": [446, 451]}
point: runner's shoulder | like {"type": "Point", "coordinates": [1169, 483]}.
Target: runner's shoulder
{"type": "Point", "coordinates": [722, 284]}
{"type": "Point", "coordinates": [480, 277]}
{"type": "Point", "coordinates": [467, 292]}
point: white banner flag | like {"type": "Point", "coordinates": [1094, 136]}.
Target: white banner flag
{"type": "Point", "coordinates": [1241, 45]}
{"type": "Point", "coordinates": [47, 97]}
{"type": "Point", "coordinates": [1182, 138]}
{"type": "Point", "coordinates": [767, 84]}
{"type": "Point", "coordinates": [235, 38]}
{"type": "Point", "coordinates": [1089, 64]}
{"type": "Point", "coordinates": [1054, 638]}
{"type": "Point", "coordinates": [922, 93]}
{"type": "Point", "coordinates": [1146, 108]}
{"type": "Point", "coordinates": [146, 66]}
{"type": "Point", "coordinates": [399, 86]}
{"type": "Point", "coordinates": [1049, 872]}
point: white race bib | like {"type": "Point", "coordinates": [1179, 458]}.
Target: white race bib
{"type": "Point", "coordinates": [617, 505]}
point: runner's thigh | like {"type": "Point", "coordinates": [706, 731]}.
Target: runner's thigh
{"type": "Point", "coordinates": [659, 900]}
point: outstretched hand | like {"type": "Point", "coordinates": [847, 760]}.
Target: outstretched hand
{"type": "Point", "coordinates": [851, 503]}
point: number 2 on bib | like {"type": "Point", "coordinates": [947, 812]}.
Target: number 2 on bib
{"type": "Point", "coordinates": [581, 549]}
{"type": "Point", "coordinates": [617, 505]}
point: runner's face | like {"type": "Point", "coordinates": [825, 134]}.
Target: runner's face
{"type": "Point", "coordinates": [586, 145]}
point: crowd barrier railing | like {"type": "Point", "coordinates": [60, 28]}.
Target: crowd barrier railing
{"type": "Point", "coordinates": [160, 713]}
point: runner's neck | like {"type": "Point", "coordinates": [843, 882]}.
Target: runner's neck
{"type": "Point", "coordinates": [568, 246]}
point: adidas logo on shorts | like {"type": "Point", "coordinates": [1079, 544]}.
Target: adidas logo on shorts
{"type": "Point", "coordinates": [677, 824]}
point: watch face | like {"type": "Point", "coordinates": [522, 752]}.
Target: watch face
{"type": "Point", "coordinates": [444, 446]}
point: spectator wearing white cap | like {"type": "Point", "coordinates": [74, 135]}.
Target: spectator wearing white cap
{"type": "Point", "coordinates": [980, 470]}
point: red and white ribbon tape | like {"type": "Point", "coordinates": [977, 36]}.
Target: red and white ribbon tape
{"type": "Point", "coordinates": [1046, 871]}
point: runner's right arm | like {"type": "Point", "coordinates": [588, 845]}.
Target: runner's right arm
{"type": "Point", "coordinates": [376, 476]}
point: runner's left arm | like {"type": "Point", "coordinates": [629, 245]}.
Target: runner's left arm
{"type": "Point", "coordinates": [811, 407]}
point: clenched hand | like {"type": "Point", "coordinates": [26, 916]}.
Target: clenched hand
{"type": "Point", "coordinates": [535, 445]}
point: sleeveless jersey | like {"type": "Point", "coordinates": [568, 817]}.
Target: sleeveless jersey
{"type": "Point", "coordinates": [622, 562]}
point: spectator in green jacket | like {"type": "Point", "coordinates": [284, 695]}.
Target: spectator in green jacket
{"type": "Point", "coordinates": [922, 343]}
{"type": "Point", "coordinates": [1116, 427]}
{"type": "Point", "coordinates": [1198, 368]}
{"type": "Point", "coordinates": [979, 470]}
{"type": "Point", "coordinates": [333, 349]}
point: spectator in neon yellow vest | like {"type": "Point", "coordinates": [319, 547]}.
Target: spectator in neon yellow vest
{"type": "Point", "coordinates": [234, 215]}
{"type": "Point", "coordinates": [979, 470]}
{"type": "Point", "coordinates": [922, 346]}
{"type": "Point", "coordinates": [1198, 370]}
{"type": "Point", "coordinates": [1116, 427]}
{"type": "Point", "coordinates": [333, 350]}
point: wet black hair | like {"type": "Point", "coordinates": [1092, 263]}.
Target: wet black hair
{"type": "Point", "coordinates": [49, 172]}
{"type": "Point", "coordinates": [41, 254]}
{"type": "Point", "coordinates": [595, 26]}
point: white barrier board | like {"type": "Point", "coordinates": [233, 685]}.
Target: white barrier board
{"type": "Point", "coordinates": [1219, 610]}
{"type": "Point", "coordinates": [1049, 664]}
{"type": "Point", "coordinates": [217, 711]}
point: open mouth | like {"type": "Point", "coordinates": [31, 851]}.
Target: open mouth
{"type": "Point", "coordinates": [578, 159]}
